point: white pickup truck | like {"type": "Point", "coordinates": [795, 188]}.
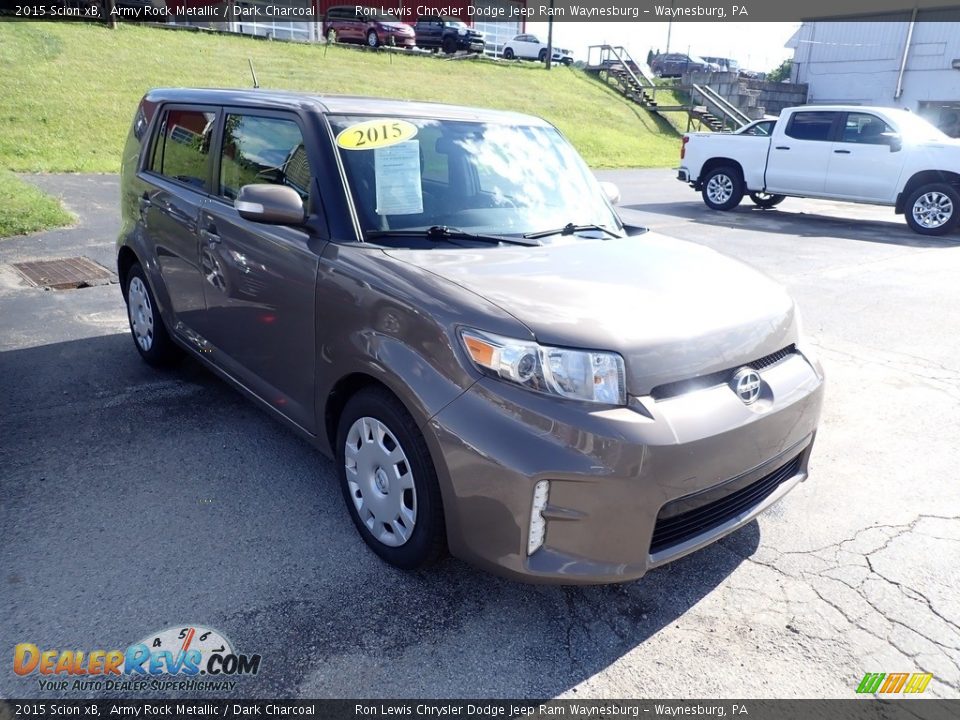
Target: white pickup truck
{"type": "Point", "coordinates": [881, 156]}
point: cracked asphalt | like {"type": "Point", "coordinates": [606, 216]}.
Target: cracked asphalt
{"type": "Point", "coordinates": [134, 500]}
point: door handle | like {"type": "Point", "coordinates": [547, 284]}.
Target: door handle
{"type": "Point", "coordinates": [210, 235]}
{"type": "Point", "coordinates": [145, 201]}
{"type": "Point", "coordinates": [782, 147]}
{"type": "Point", "coordinates": [842, 152]}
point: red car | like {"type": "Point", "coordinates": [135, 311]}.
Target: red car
{"type": "Point", "coordinates": [372, 28]}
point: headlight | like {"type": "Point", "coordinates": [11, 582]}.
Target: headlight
{"type": "Point", "coordinates": [574, 374]}
{"type": "Point", "coordinates": [461, 31]}
{"type": "Point", "coordinates": [807, 349]}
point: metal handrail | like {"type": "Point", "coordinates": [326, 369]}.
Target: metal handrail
{"type": "Point", "coordinates": [712, 97]}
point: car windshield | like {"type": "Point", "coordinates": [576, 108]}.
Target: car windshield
{"type": "Point", "coordinates": [914, 128]}
{"type": "Point", "coordinates": [453, 23]}
{"type": "Point", "coordinates": [491, 178]}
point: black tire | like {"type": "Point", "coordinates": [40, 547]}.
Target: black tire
{"type": "Point", "coordinates": [372, 39]}
{"type": "Point", "coordinates": [722, 188]}
{"type": "Point", "coordinates": [508, 54]}
{"type": "Point", "coordinates": [568, 61]}
{"type": "Point", "coordinates": [542, 57]}
{"type": "Point", "coordinates": [428, 541]}
{"type": "Point", "coordinates": [765, 200]}
{"type": "Point", "coordinates": [449, 45]}
{"type": "Point", "coordinates": [935, 195]}
{"type": "Point", "coordinates": [159, 350]}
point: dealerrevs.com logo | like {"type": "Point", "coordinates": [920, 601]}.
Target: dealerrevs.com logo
{"type": "Point", "coordinates": [168, 660]}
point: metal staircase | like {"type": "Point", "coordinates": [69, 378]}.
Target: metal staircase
{"type": "Point", "coordinates": [612, 64]}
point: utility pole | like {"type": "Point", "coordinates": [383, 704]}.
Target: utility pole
{"type": "Point", "coordinates": [550, 38]}
{"type": "Point", "coordinates": [670, 25]}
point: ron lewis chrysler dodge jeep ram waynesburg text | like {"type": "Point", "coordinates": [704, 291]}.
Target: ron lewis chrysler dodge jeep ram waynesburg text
{"type": "Point", "coordinates": [444, 300]}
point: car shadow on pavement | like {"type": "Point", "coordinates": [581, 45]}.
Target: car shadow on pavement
{"type": "Point", "coordinates": [801, 224]}
{"type": "Point", "coordinates": [165, 498]}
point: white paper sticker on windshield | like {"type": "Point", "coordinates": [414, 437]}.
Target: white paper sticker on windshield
{"type": "Point", "coordinates": [397, 170]}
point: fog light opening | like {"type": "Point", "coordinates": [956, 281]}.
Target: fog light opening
{"type": "Point", "coordinates": [538, 526]}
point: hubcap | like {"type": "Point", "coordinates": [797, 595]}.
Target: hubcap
{"type": "Point", "coordinates": [141, 314]}
{"type": "Point", "coordinates": [719, 189]}
{"type": "Point", "coordinates": [372, 40]}
{"type": "Point", "coordinates": [380, 481]}
{"type": "Point", "coordinates": [932, 210]}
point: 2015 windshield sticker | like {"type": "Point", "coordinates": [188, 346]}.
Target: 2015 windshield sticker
{"type": "Point", "coordinates": [373, 134]}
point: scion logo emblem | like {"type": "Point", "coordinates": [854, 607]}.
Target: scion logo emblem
{"type": "Point", "coordinates": [746, 384]}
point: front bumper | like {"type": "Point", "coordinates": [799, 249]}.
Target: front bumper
{"type": "Point", "coordinates": [631, 488]}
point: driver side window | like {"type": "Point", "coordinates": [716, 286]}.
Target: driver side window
{"type": "Point", "coordinates": [262, 150]}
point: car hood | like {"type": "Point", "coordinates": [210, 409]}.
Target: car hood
{"type": "Point", "coordinates": [674, 310]}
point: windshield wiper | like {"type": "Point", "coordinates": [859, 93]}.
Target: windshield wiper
{"type": "Point", "coordinates": [442, 232]}
{"type": "Point", "coordinates": [570, 229]}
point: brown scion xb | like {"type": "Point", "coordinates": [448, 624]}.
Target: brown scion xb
{"type": "Point", "coordinates": [445, 301]}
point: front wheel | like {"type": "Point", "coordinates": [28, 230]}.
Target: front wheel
{"type": "Point", "coordinates": [542, 57]}
{"type": "Point", "coordinates": [389, 481]}
{"type": "Point", "coordinates": [372, 39]}
{"type": "Point", "coordinates": [766, 200]}
{"type": "Point", "coordinates": [933, 209]}
{"type": "Point", "coordinates": [722, 188]}
{"type": "Point", "coordinates": [149, 333]}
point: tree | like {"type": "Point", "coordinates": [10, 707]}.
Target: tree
{"type": "Point", "coordinates": [782, 73]}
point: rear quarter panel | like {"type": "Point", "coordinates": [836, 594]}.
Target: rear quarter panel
{"type": "Point", "coordinates": [747, 151]}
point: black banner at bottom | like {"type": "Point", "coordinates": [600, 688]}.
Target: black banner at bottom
{"type": "Point", "coordinates": [867, 708]}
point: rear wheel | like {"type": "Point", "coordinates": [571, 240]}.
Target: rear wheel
{"type": "Point", "coordinates": [389, 481]}
{"type": "Point", "coordinates": [149, 333]}
{"type": "Point", "coordinates": [508, 54]}
{"type": "Point", "coordinates": [933, 209]}
{"type": "Point", "coordinates": [722, 188]}
{"type": "Point", "coordinates": [766, 200]}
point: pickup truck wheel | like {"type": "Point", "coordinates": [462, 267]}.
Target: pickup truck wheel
{"type": "Point", "coordinates": [372, 39]}
{"type": "Point", "coordinates": [766, 200]}
{"type": "Point", "coordinates": [933, 209]}
{"type": "Point", "coordinates": [508, 54]}
{"type": "Point", "coordinates": [389, 481]}
{"type": "Point", "coordinates": [722, 188]}
{"type": "Point", "coordinates": [449, 45]}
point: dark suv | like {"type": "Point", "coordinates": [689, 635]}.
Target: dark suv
{"type": "Point", "coordinates": [345, 23]}
{"type": "Point", "coordinates": [447, 34]}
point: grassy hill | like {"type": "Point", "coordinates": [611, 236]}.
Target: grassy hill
{"type": "Point", "coordinates": [70, 91]}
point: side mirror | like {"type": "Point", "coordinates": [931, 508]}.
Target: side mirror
{"type": "Point", "coordinates": [611, 191]}
{"type": "Point", "coordinates": [894, 141]}
{"type": "Point", "coordinates": [273, 204]}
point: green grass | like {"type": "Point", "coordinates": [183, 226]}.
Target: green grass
{"type": "Point", "coordinates": [71, 91]}
{"type": "Point", "coordinates": [24, 209]}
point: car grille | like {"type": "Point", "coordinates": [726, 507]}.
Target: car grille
{"type": "Point", "coordinates": [721, 377]}
{"type": "Point", "coordinates": [674, 529]}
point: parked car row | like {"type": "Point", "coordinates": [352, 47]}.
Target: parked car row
{"type": "Point", "coordinates": [678, 64]}
{"type": "Point", "coordinates": [354, 24]}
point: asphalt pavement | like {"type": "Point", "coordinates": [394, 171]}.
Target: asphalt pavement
{"type": "Point", "coordinates": [135, 500]}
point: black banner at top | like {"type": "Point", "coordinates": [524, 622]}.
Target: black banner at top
{"type": "Point", "coordinates": [215, 12]}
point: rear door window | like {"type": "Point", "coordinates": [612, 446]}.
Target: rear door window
{"type": "Point", "coordinates": [811, 125]}
{"type": "Point", "coordinates": [181, 151]}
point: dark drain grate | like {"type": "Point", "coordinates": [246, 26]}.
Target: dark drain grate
{"type": "Point", "coordinates": [65, 274]}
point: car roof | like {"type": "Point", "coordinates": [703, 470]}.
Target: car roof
{"type": "Point", "coordinates": [849, 108]}
{"type": "Point", "coordinates": [338, 104]}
